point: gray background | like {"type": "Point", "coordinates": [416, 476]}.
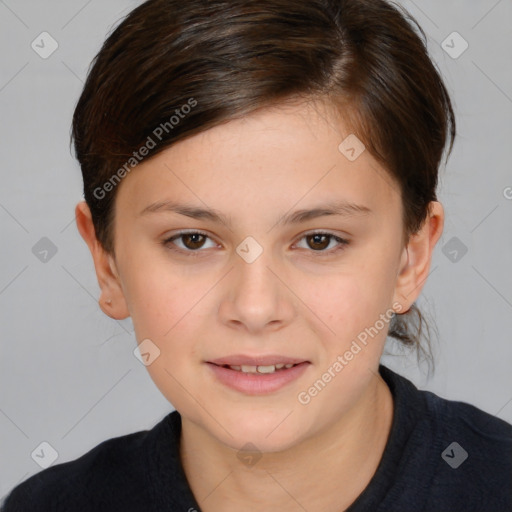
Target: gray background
{"type": "Point", "coordinates": [68, 375]}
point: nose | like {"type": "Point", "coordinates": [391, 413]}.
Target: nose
{"type": "Point", "coordinates": [256, 299]}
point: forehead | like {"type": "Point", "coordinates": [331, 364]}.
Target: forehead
{"type": "Point", "coordinates": [289, 154]}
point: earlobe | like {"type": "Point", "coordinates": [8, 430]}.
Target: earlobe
{"type": "Point", "coordinates": [112, 301]}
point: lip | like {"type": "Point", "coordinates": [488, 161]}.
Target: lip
{"type": "Point", "coordinates": [262, 360]}
{"type": "Point", "coordinates": [258, 383]}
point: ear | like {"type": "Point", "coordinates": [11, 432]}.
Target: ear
{"type": "Point", "coordinates": [112, 301]}
{"type": "Point", "coordinates": [416, 258]}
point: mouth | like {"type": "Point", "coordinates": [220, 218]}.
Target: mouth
{"type": "Point", "coordinates": [257, 375]}
{"type": "Point", "coordinates": [272, 368]}
{"type": "Point", "coordinates": [257, 364]}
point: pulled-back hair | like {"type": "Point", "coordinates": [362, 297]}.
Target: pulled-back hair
{"type": "Point", "coordinates": [172, 69]}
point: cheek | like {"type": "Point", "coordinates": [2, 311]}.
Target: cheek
{"type": "Point", "coordinates": [343, 302]}
{"type": "Point", "coordinates": [164, 309]}
{"type": "Point", "coordinates": [348, 308]}
{"type": "Point", "coordinates": [160, 300]}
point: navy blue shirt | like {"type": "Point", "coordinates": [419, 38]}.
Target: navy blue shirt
{"type": "Point", "coordinates": [441, 456]}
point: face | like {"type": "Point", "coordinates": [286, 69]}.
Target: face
{"type": "Point", "coordinates": [245, 260]}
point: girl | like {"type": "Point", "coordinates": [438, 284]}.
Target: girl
{"type": "Point", "coordinates": [260, 198]}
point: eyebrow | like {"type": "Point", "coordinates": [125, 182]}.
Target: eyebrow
{"type": "Point", "coordinates": [340, 208]}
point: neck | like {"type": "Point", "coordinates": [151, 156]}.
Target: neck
{"type": "Point", "coordinates": [337, 463]}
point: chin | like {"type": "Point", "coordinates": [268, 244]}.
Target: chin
{"type": "Point", "coordinates": [258, 443]}
{"type": "Point", "coordinates": [268, 435]}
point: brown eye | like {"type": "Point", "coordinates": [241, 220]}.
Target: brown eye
{"type": "Point", "coordinates": [323, 243]}
{"type": "Point", "coordinates": [193, 240]}
{"type": "Point", "coordinates": [189, 242]}
{"type": "Point", "coordinates": [318, 241]}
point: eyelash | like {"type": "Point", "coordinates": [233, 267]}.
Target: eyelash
{"type": "Point", "coordinates": [196, 253]}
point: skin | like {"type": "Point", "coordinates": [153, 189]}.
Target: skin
{"type": "Point", "coordinates": [292, 300]}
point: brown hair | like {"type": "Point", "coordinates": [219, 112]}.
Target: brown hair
{"type": "Point", "coordinates": [172, 69]}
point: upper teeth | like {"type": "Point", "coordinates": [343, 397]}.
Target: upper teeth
{"type": "Point", "coordinates": [260, 369]}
